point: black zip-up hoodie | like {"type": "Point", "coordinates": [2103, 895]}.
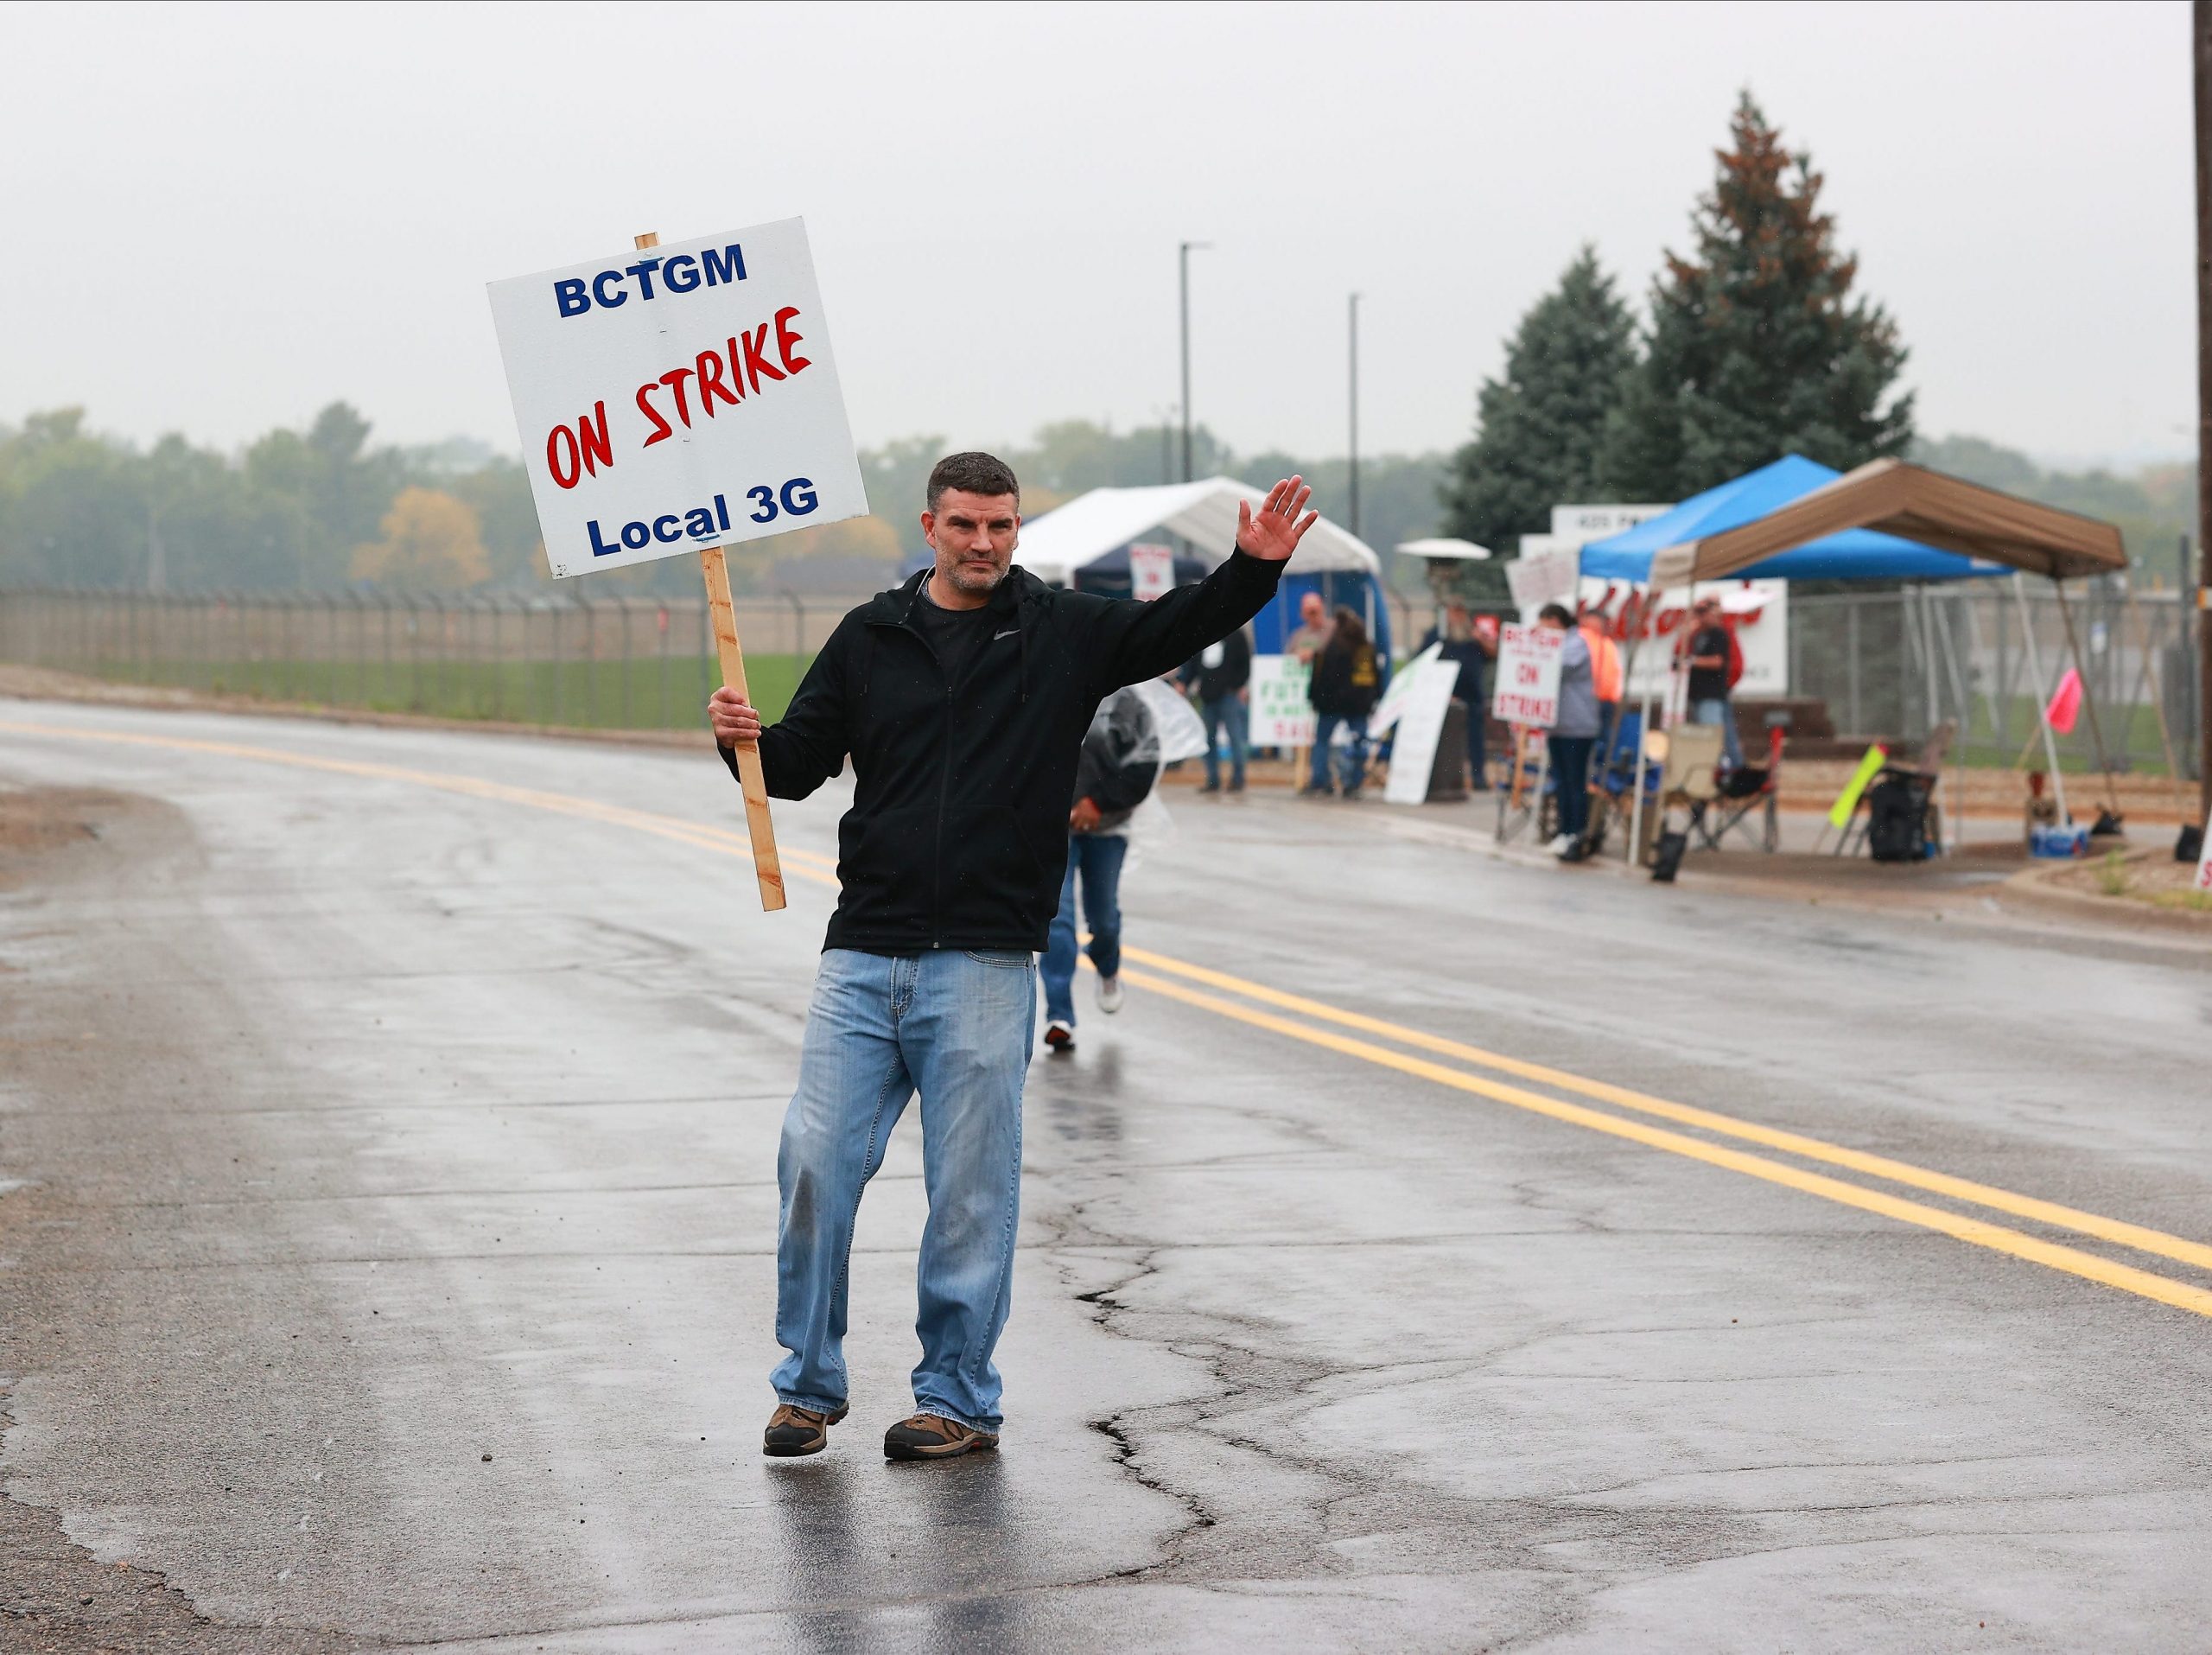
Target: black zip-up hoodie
{"type": "Point", "coordinates": [959, 833]}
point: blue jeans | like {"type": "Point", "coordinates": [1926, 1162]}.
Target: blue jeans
{"type": "Point", "coordinates": [958, 1026]}
{"type": "Point", "coordinates": [1099, 856]}
{"type": "Point", "coordinates": [1570, 772]}
{"type": "Point", "coordinates": [1354, 758]}
{"type": "Point", "coordinates": [1718, 711]}
{"type": "Point", "coordinates": [1226, 713]}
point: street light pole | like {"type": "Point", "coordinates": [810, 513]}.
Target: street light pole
{"type": "Point", "coordinates": [1183, 261]}
{"type": "Point", "coordinates": [2200, 40]}
{"type": "Point", "coordinates": [1353, 500]}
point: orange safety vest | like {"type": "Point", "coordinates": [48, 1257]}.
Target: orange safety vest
{"type": "Point", "coordinates": [1605, 661]}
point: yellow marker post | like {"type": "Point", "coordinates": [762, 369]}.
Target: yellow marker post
{"type": "Point", "coordinates": [1846, 802]}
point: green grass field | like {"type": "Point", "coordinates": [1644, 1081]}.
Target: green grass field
{"type": "Point", "coordinates": [652, 694]}
{"type": "Point", "coordinates": [2132, 729]}
{"type": "Point", "coordinates": [593, 695]}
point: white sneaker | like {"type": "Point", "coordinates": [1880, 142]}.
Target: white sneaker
{"type": "Point", "coordinates": [1058, 1036]}
{"type": "Point", "coordinates": [1109, 994]}
{"type": "Point", "coordinates": [1560, 842]}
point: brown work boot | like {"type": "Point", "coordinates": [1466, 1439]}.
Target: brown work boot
{"type": "Point", "coordinates": [793, 1431]}
{"type": "Point", "coordinates": [932, 1436]}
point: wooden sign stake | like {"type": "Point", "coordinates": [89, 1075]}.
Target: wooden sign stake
{"type": "Point", "coordinates": [768, 868]}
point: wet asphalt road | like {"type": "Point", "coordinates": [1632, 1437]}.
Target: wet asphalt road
{"type": "Point", "coordinates": [372, 1120]}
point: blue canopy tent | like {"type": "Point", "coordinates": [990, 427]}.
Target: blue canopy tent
{"type": "Point", "coordinates": [1888, 519]}
{"type": "Point", "coordinates": [1846, 555]}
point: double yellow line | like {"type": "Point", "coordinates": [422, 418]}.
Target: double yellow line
{"type": "Point", "coordinates": [1469, 1070]}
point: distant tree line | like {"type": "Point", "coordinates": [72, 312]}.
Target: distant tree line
{"type": "Point", "coordinates": [325, 509]}
{"type": "Point", "coordinates": [1756, 346]}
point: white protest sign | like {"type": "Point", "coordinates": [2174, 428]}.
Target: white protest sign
{"type": "Point", "coordinates": [1282, 714]}
{"type": "Point", "coordinates": [677, 398]}
{"type": "Point", "coordinates": [1542, 578]}
{"type": "Point", "coordinates": [1400, 685]}
{"type": "Point", "coordinates": [1527, 686]}
{"type": "Point", "coordinates": [1152, 572]}
{"type": "Point", "coordinates": [1420, 726]}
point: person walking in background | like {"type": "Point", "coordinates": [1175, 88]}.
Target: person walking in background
{"type": "Point", "coordinates": [1347, 683]}
{"type": "Point", "coordinates": [1221, 677]}
{"type": "Point", "coordinates": [1312, 634]}
{"type": "Point", "coordinates": [1712, 662]}
{"type": "Point", "coordinates": [1457, 640]}
{"type": "Point", "coordinates": [1119, 764]}
{"type": "Point", "coordinates": [1573, 733]}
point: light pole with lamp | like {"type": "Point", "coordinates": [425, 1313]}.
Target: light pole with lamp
{"type": "Point", "coordinates": [1183, 261]}
{"type": "Point", "coordinates": [1352, 495]}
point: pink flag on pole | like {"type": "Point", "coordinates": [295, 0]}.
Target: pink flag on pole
{"type": "Point", "coordinates": [2065, 702]}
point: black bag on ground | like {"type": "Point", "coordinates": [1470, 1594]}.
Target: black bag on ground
{"type": "Point", "coordinates": [1666, 858]}
{"type": "Point", "coordinates": [1896, 820]}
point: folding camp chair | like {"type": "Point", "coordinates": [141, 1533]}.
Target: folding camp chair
{"type": "Point", "coordinates": [1528, 791]}
{"type": "Point", "coordinates": [1741, 791]}
{"type": "Point", "coordinates": [1614, 775]}
{"type": "Point", "coordinates": [1915, 784]}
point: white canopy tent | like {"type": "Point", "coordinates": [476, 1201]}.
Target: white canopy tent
{"type": "Point", "coordinates": [1054, 546]}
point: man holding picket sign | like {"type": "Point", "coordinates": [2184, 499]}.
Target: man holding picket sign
{"type": "Point", "coordinates": [962, 697]}
{"type": "Point", "coordinates": [684, 399]}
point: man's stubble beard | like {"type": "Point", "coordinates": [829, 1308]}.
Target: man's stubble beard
{"type": "Point", "coordinates": [974, 586]}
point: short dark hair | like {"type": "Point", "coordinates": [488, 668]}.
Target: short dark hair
{"type": "Point", "coordinates": [972, 472]}
{"type": "Point", "coordinates": [1558, 612]}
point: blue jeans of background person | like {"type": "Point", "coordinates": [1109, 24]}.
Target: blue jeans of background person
{"type": "Point", "coordinates": [1718, 711]}
{"type": "Point", "coordinates": [1099, 856]}
{"type": "Point", "coordinates": [1571, 770]}
{"type": "Point", "coordinates": [1226, 713]}
{"type": "Point", "coordinates": [1352, 761]}
{"type": "Point", "coordinates": [1478, 761]}
{"type": "Point", "coordinates": [957, 1027]}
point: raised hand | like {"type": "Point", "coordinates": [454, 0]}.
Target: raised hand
{"type": "Point", "coordinates": [1273, 533]}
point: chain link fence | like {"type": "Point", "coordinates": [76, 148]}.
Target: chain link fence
{"type": "Point", "coordinates": [607, 662]}
{"type": "Point", "coordinates": [1890, 664]}
{"type": "Point", "coordinates": [1897, 663]}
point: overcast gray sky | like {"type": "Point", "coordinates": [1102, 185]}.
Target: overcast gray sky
{"type": "Point", "coordinates": [218, 219]}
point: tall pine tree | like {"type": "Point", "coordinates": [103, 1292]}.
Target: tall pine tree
{"type": "Point", "coordinates": [1538, 426]}
{"type": "Point", "coordinates": [1756, 348]}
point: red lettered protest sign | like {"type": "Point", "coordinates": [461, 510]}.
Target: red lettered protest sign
{"type": "Point", "coordinates": [1527, 682]}
{"type": "Point", "coordinates": [677, 397]}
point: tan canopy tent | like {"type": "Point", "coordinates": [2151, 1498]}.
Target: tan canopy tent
{"type": "Point", "coordinates": [1915, 504]}
{"type": "Point", "coordinates": [1947, 512]}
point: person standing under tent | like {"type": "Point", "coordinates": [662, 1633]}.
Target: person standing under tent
{"type": "Point", "coordinates": [1115, 774]}
{"type": "Point", "coordinates": [1712, 654]}
{"type": "Point", "coordinates": [1348, 677]}
{"type": "Point", "coordinates": [1573, 733]}
{"type": "Point", "coordinates": [1457, 640]}
{"type": "Point", "coordinates": [1220, 676]}
{"type": "Point", "coordinates": [962, 697]}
